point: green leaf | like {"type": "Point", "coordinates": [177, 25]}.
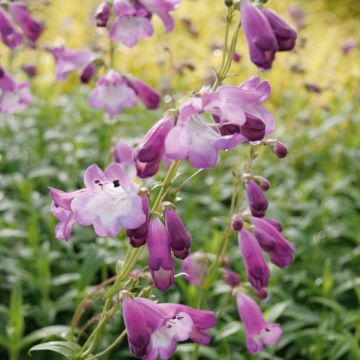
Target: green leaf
{"type": "Point", "coordinates": [16, 321]}
{"type": "Point", "coordinates": [66, 348]}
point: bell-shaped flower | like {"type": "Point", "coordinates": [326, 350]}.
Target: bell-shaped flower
{"type": "Point", "coordinates": [257, 270]}
{"type": "Point", "coordinates": [69, 60]}
{"type": "Point", "coordinates": [195, 266]}
{"type": "Point", "coordinates": [9, 36]}
{"type": "Point", "coordinates": [180, 240]}
{"type": "Point", "coordinates": [132, 23]}
{"type": "Point", "coordinates": [30, 27]}
{"type": "Point", "coordinates": [259, 332]}
{"type": "Point", "coordinates": [148, 96]}
{"type": "Point", "coordinates": [110, 201]}
{"type": "Point", "coordinates": [154, 329]}
{"type": "Point", "coordinates": [14, 96]}
{"type": "Point", "coordinates": [160, 260]}
{"type": "Point", "coordinates": [102, 14]}
{"type": "Point", "coordinates": [112, 93]}
{"type": "Point", "coordinates": [150, 152]}
{"type": "Point", "coordinates": [257, 201]}
{"type": "Point", "coordinates": [281, 251]}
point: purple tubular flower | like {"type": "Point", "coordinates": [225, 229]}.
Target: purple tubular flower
{"type": "Point", "coordinates": [253, 128]}
{"type": "Point", "coordinates": [102, 14]}
{"type": "Point", "coordinates": [88, 73]}
{"type": "Point", "coordinates": [149, 97]}
{"type": "Point", "coordinates": [231, 278]}
{"type": "Point", "coordinates": [110, 201]}
{"type": "Point", "coordinates": [259, 333]}
{"type": "Point", "coordinates": [256, 199]}
{"type": "Point", "coordinates": [160, 260]}
{"type": "Point", "coordinates": [180, 240]}
{"type": "Point", "coordinates": [112, 93]}
{"type": "Point", "coordinates": [31, 28]}
{"type": "Point", "coordinates": [154, 329]}
{"type": "Point", "coordinates": [284, 33]}
{"type": "Point", "coordinates": [69, 60]}
{"type": "Point", "coordinates": [137, 237]}
{"type": "Point", "coordinates": [282, 252]}
{"type": "Point", "coordinates": [10, 37]}
{"type": "Point", "coordinates": [150, 152]}
{"type": "Point", "coordinates": [256, 268]}
{"type": "Point", "coordinates": [195, 266]}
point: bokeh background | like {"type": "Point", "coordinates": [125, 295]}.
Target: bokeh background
{"type": "Point", "coordinates": [315, 190]}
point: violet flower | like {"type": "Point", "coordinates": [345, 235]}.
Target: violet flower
{"type": "Point", "coordinates": [259, 333]}
{"type": "Point", "coordinates": [180, 240]}
{"type": "Point", "coordinates": [154, 329]}
{"type": "Point", "coordinates": [30, 27]}
{"type": "Point", "coordinates": [257, 270]}
{"type": "Point", "coordinates": [195, 266]}
{"type": "Point", "coordinates": [231, 278]}
{"type": "Point", "coordinates": [266, 33]}
{"type": "Point", "coordinates": [88, 73]}
{"type": "Point", "coordinates": [150, 152]}
{"type": "Point", "coordinates": [282, 251]}
{"type": "Point", "coordinates": [112, 93]}
{"type": "Point", "coordinates": [102, 14]}
{"type": "Point", "coordinates": [256, 199]}
{"type": "Point", "coordinates": [69, 60]}
{"type": "Point", "coordinates": [10, 37]}
{"type": "Point", "coordinates": [123, 154]}
{"type": "Point", "coordinates": [149, 97]}
{"type": "Point", "coordinates": [160, 260]}
{"type": "Point", "coordinates": [110, 201]}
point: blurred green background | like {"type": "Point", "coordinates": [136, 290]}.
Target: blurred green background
{"type": "Point", "coordinates": [315, 190]}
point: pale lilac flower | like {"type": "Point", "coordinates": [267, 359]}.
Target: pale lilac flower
{"type": "Point", "coordinates": [10, 37]}
{"type": "Point", "coordinates": [259, 333]}
{"type": "Point", "coordinates": [102, 14]}
{"type": "Point", "coordinates": [149, 97]}
{"type": "Point", "coordinates": [180, 240]}
{"type": "Point", "coordinates": [257, 270]}
{"type": "Point", "coordinates": [61, 208]}
{"type": "Point", "coordinates": [110, 201]}
{"type": "Point", "coordinates": [195, 266]}
{"type": "Point", "coordinates": [124, 155]}
{"type": "Point", "coordinates": [349, 45]}
{"type": "Point", "coordinates": [112, 93]}
{"type": "Point", "coordinates": [69, 60]}
{"type": "Point", "coordinates": [30, 27]}
{"type": "Point", "coordinates": [150, 152]}
{"type": "Point", "coordinates": [160, 260]}
{"type": "Point", "coordinates": [154, 329]}
{"type": "Point", "coordinates": [132, 23]}
{"type": "Point", "coordinates": [256, 199]}
{"type": "Point", "coordinates": [298, 15]}
{"type": "Point", "coordinates": [231, 278]}
{"type": "Point", "coordinates": [14, 96]}
{"type": "Point", "coordinates": [280, 250]}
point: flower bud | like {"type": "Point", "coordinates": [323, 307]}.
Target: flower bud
{"type": "Point", "coordinates": [279, 149]}
{"type": "Point", "coordinates": [102, 14]}
{"type": "Point", "coordinates": [229, 3]}
{"type": "Point", "coordinates": [262, 294]}
{"type": "Point", "coordinates": [231, 278]}
{"type": "Point", "coordinates": [88, 73]}
{"type": "Point", "coordinates": [237, 222]}
{"type": "Point", "coordinates": [262, 182]}
{"type": "Point", "coordinates": [256, 199]}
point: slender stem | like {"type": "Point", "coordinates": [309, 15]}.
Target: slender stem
{"type": "Point", "coordinates": [188, 179]}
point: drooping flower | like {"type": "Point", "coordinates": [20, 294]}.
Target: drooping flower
{"type": "Point", "coordinates": [195, 266]}
{"type": "Point", "coordinates": [257, 270]}
{"type": "Point", "coordinates": [150, 152]}
{"type": "Point", "coordinates": [102, 14]}
{"type": "Point", "coordinates": [281, 251]}
{"type": "Point", "coordinates": [160, 260]}
{"type": "Point", "coordinates": [154, 329]}
{"type": "Point", "coordinates": [266, 33]}
{"type": "Point", "coordinates": [259, 333]}
{"type": "Point", "coordinates": [14, 96]}
{"type": "Point", "coordinates": [149, 97]}
{"type": "Point", "coordinates": [69, 60]}
{"type": "Point", "coordinates": [110, 201]}
{"type": "Point", "coordinates": [10, 37]}
{"type": "Point", "coordinates": [180, 240]}
{"type": "Point", "coordinates": [30, 27]}
{"type": "Point", "coordinates": [257, 201]}
{"type": "Point", "coordinates": [112, 93]}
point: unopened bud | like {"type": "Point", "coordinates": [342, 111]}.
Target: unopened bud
{"type": "Point", "coordinates": [228, 3]}
{"type": "Point", "coordinates": [262, 294]}
{"type": "Point", "coordinates": [280, 150]}
{"type": "Point", "coordinates": [262, 182]}
{"type": "Point", "coordinates": [237, 222]}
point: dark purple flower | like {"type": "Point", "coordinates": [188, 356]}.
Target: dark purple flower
{"type": "Point", "coordinates": [102, 14]}
{"type": "Point", "coordinates": [10, 37]}
{"type": "Point", "coordinates": [160, 260]}
{"type": "Point", "coordinates": [88, 73]}
{"type": "Point", "coordinates": [256, 199]}
{"type": "Point", "coordinates": [149, 97]}
{"type": "Point", "coordinates": [259, 333]}
{"type": "Point", "coordinates": [31, 28]}
{"type": "Point", "coordinates": [231, 278]}
{"type": "Point", "coordinates": [195, 266]}
{"type": "Point", "coordinates": [257, 270]}
{"type": "Point", "coordinates": [279, 149]}
{"type": "Point", "coordinates": [180, 240]}
{"type": "Point", "coordinates": [154, 329]}
{"type": "Point", "coordinates": [280, 251]}
{"type": "Point", "coordinates": [30, 70]}
{"type": "Point", "coordinates": [237, 222]}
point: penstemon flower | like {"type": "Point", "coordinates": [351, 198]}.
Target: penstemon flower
{"type": "Point", "coordinates": [259, 333]}
{"type": "Point", "coordinates": [102, 14]}
{"type": "Point", "coordinates": [9, 35]}
{"type": "Point", "coordinates": [148, 96]}
{"type": "Point", "coordinates": [154, 329]}
{"type": "Point", "coordinates": [257, 201]}
{"type": "Point", "coordinates": [195, 266]}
